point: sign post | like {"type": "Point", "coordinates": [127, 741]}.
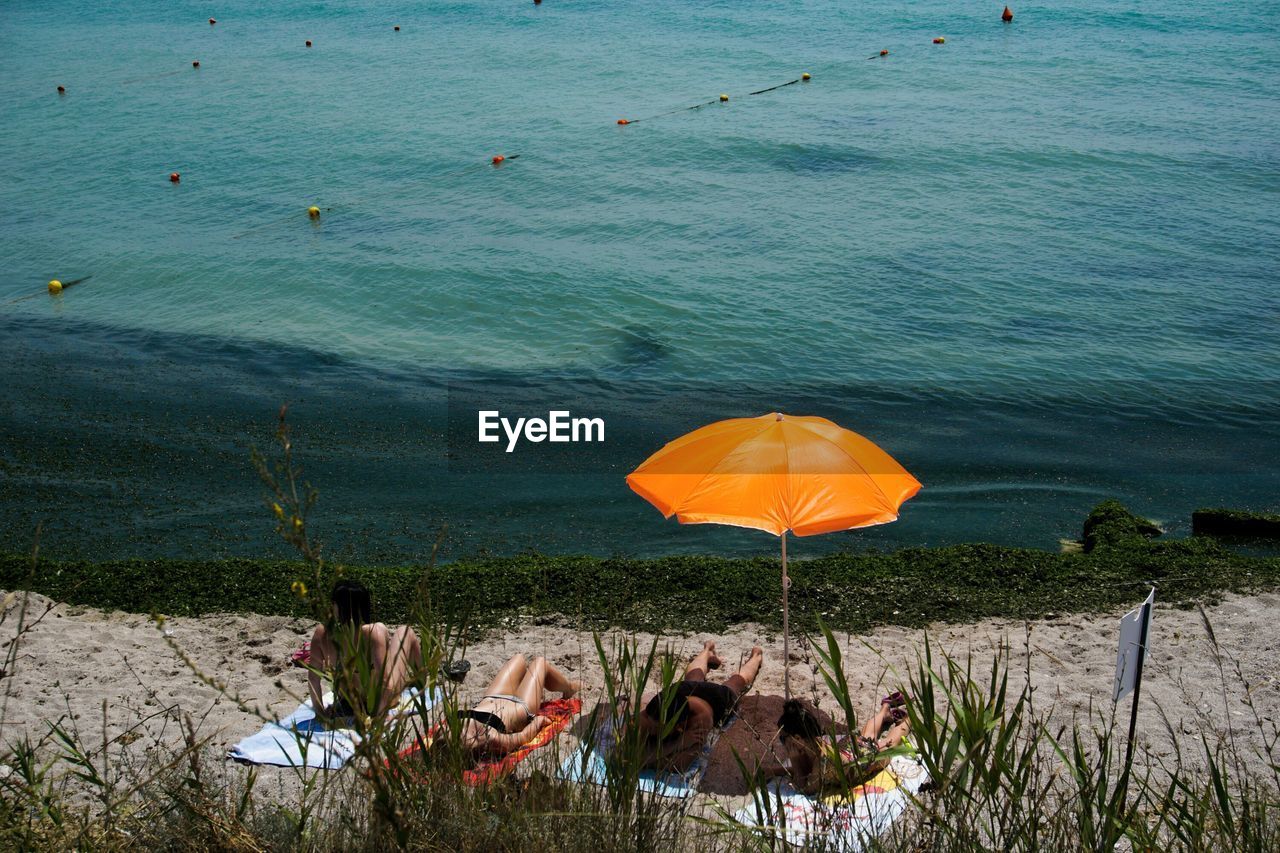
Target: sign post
{"type": "Point", "coordinates": [1135, 627]}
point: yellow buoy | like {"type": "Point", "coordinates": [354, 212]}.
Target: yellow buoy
{"type": "Point", "coordinates": [313, 212]}
{"type": "Point", "coordinates": [724, 98]}
{"type": "Point", "coordinates": [804, 76]}
{"type": "Point", "coordinates": [55, 286]}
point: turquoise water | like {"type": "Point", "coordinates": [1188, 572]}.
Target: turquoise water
{"type": "Point", "coordinates": [1037, 263]}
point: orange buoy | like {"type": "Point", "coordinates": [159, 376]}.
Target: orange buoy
{"type": "Point", "coordinates": [1006, 16]}
{"type": "Point", "coordinates": [212, 22]}
{"type": "Point", "coordinates": [884, 53]}
{"type": "Point", "coordinates": [174, 177]}
{"type": "Point", "coordinates": [623, 121]}
{"type": "Point", "coordinates": [195, 64]}
{"type": "Point", "coordinates": [498, 158]}
{"type": "Point", "coordinates": [62, 90]}
{"type": "Point", "coordinates": [308, 42]}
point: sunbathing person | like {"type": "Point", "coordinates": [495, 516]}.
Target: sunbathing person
{"type": "Point", "coordinates": [812, 752]}
{"type": "Point", "coordinates": [694, 706]}
{"type": "Point", "coordinates": [506, 717]}
{"type": "Point", "coordinates": [369, 664]}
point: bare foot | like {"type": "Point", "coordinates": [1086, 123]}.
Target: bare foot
{"type": "Point", "coordinates": [713, 659]}
{"type": "Point", "coordinates": [756, 652]}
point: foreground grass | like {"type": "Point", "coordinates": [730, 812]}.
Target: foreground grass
{"type": "Point", "coordinates": [846, 591]}
{"type": "Point", "coordinates": [1003, 777]}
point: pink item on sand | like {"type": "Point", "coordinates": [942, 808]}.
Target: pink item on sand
{"type": "Point", "coordinates": [302, 656]}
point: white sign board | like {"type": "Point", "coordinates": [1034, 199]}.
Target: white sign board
{"type": "Point", "coordinates": [1135, 628]}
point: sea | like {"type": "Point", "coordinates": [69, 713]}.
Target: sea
{"type": "Point", "coordinates": [1038, 263]}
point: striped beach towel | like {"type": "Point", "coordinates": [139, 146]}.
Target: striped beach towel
{"type": "Point", "coordinates": [560, 712]}
{"type": "Point", "coordinates": [845, 822]}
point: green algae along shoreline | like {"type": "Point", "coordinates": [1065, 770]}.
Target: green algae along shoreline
{"type": "Point", "coordinates": [1119, 560]}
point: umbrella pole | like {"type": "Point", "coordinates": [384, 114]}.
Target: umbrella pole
{"type": "Point", "coordinates": [786, 627]}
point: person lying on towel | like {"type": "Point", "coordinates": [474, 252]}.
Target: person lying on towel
{"type": "Point", "coordinates": [368, 663]}
{"type": "Point", "coordinates": [506, 717]}
{"type": "Point", "coordinates": [690, 709]}
{"type": "Point", "coordinates": [824, 764]}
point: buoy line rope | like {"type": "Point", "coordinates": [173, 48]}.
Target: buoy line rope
{"type": "Point", "coordinates": [779, 86]}
{"type": "Point", "coordinates": [318, 210]}
{"type": "Point", "coordinates": [275, 221]}
{"type": "Point", "coordinates": [62, 285]}
{"type": "Point", "coordinates": [156, 76]}
{"type": "Point", "coordinates": [668, 113]}
{"type": "Point", "coordinates": [720, 100]}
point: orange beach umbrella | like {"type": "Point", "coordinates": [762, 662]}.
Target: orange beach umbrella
{"type": "Point", "coordinates": [776, 473]}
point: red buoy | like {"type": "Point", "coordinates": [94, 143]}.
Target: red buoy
{"type": "Point", "coordinates": [212, 22]}
{"type": "Point", "coordinates": [308, 42]}
{"type": "Point", "coordinates": [1006, 16]}
{"type": "Point", "coordinates": [62, 90]}
{"type": "Point", "coordinates": [174, 177]}
{"type": "Point", "coordinates": [884, 53]}
{"type": "Point", "coordinates": [623, 121]}
{"type": "Point", "coordinates": [498, 158]}
{"type": "Point", "coordinates": [195, 64]}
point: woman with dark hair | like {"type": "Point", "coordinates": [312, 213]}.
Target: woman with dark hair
{"type": "Point", "coordinates": [369, 664]}
{"type": "Point", "coordinates": [821, 763]}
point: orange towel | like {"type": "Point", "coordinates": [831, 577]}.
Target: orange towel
{"type": "Point", "coordinates": [561, 713]}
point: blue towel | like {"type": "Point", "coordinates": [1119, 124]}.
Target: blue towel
{"type": "Point", "coordinates": [301, 740]}
{"type": "Point", "coordinates": [587, 764]}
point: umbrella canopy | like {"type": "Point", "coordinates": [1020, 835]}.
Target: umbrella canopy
{"type": "Point", "coordinates": [776, 473]}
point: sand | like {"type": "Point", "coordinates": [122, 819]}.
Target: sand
{"type": "Point", "coordinates": [75, 659]}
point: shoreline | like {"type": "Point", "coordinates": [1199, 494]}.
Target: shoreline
{"type": "Point", "coordinates": [1114, 568]}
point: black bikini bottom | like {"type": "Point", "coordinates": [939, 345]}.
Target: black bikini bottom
{"type": "Point", "coordinates": [721, 698]}
{"type": "Point", "coordinates": [491, 720]}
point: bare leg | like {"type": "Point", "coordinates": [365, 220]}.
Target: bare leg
{"type": "Point", "coordinates": [509, 677]}
{"type": "Point", "coordinates": [324, 658]}
{"type": "Point", "coordinates": [702, 663]}
{"type": "Point", "coordinates": [543, 676]}
{"type": "Point", "coordinates": [741, 681]}
{"type": "Point", "coordinates": [894, 736]}
{"type": "Point", "coordinates": [872, 728]}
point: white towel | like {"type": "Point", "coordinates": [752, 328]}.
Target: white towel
{"type": "Point", "coordinates": [844, 826]}
{"type": "Point", "coordinates": [301, 740]}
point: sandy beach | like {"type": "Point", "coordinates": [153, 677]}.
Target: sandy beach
{"type": "Point", "coordinates": [75, 659]}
